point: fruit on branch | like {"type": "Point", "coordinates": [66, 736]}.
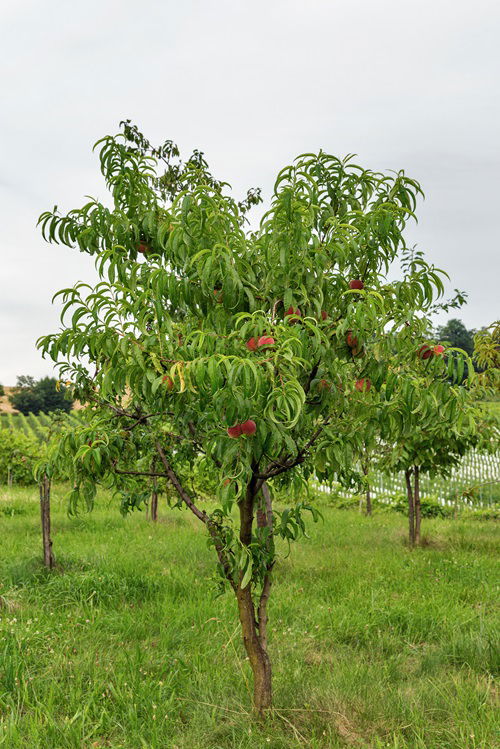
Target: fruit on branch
{"type": "Point", "coordinates": [226, 482]}
{"type": "Point", "coordinates": [265, 340]}
{"type": "Point", "coordinates": [218, 295]}
{"type": "Point", "coordinates": [168, 381]}
{"type": "Point", "coordinates": [357, 284]}
{"type": "Point", "coordinates": [254, 343]}
{"type": "Point", "coordinates": [351, 339]}
{"type": "Point", "coordinates": [293, 311]}
{"type": "Point", "coordinates": [248, 427]}
{"type": "Point", "coordinates": [363, 385]}
{"type": "Point", "coordinates": [235, 431]}
{"type": "Point", "coordinates": [324, 385]}
{"type": "Point", "coordinates": [144, 248]}
{"type": "Point", "coordinates": [324, 314]}
{"type": "Point", "coordinates": [425, 352]}
{"type": "Point", "coordinates": [438, 350]}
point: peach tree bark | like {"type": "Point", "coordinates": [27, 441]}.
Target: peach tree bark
{"type": "Point", "coordinates": [44, 488]}
{"type": "Point", "coordinates": [251, 358]}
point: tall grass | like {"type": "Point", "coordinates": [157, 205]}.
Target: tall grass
{"type": "Point", "coordinates": [125, 644]}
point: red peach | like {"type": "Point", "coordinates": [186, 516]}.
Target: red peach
{"type": "Point", "coordinates": [324, 314]}
{"type": "Point", "coordinates": [143, 248]}
{"type": "Point", "coordinates": [248, 427]}
{"type": "Point", "coordinates": [425, 352]}
{"type": "Point", "coordinates": [351, 339]}
{"type": "Point", "coordinates": [356, 283]}
{"type": "Point", "coordinates": [438, 350]}
{"type": "Point", "coordinates": [363, 385]}
{"type": "Point", "coordinates": [265, 340]}
{"type": "Point", "coordinates": [168, 382]}
{"type": "Point", "coordinates": [235, 431]}
{"type": "Point", "coordinates": [251, 344]}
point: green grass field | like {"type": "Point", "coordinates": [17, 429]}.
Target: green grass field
{"type": "Point", "coordinates": [124, 645]}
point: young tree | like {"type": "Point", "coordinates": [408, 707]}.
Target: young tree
{"type": "Point", "coordinates": [487, 357]}
{"type": "Point", "coordinates": [441, 421]}
{"type": "Point", "coordinates": [16, 451]}
{"type": "Point", "coordinates": [236, 355]}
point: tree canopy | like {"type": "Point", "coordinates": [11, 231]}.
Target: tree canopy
{"type": "Point", "coordinates": [249, 357]}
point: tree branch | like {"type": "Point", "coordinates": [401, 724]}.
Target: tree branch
{"type": "Point", "coordinates": [138, 473]}
{"type": "Point", "coordinates": [312, 375]}
{"type": "Point", "coordinates": [212, 527]}
{"type": "Point", "coordinates": [192, 429]}
{"type": "Point", "coordinates": [171, 475]}
{"type": "Point", "coordinates": [274, 469]}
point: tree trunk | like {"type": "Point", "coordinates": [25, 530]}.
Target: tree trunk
{"type": "Point", "coordinates": [254, 630]}
{"type": "Point", "coordinates": [411, 509]}
{"type": "Point", "coordinates": [368, 502]}
{"type": "Point", "coordinates": [257, 653]}
{"type": "Point", "coordinates": [154, 500]}
{"type": "Point", "coordinates": [48, 557]}
{"type": "Point", "coordinates": [265, 520]}
{"type": "Point", "coordinates": [416, 503]}
{"type": "Point", "coordinates": [368, 494]}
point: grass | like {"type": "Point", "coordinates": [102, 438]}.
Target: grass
{"type": "Point", "coordinates": [125, 645]}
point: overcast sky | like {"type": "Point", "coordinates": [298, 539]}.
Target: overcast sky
{"type": "Point", "coordinates": [252, 83]}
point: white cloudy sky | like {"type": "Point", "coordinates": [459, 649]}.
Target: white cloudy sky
{"type": "Point", "coordinates": [252, 83]}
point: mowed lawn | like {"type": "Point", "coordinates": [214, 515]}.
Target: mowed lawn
{"type": "Point", "coordinates": [127, 645]}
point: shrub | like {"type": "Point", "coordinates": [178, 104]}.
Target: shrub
{"type": "Point", "coordinates": [17, 454]}
{"type": "Point", "coordinates": [486, 513]}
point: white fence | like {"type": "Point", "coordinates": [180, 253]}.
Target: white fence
{"type": "Point", "coordinates": [477, 471]}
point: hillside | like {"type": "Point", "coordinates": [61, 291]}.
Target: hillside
{"type": "Point", "coordinates": [5, 405]}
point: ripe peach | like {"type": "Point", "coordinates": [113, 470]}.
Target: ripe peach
{"type": "Point", "coordinates": [143, 248]}
{"type": "Point", "coordinates": [363, 385]}
{"type": "Point", "coordinates": [235, 431]}
{"type": "Point", "coordinates": [168, 382]}
{"type": "Point", "coordinates": [351, 339]}
{"type": "Point", "coordinates": [425, 352]}
{"type": "Point", "coordinates": [265, 340]}
{"type": "Point", "coordinates": [438, 350]}
{"type": "Point", "coordinates": [356, 283]}
{"type": "Point", "coordinates": [248, 427]}
{"type": "Point", "coordinates": [251, 344]}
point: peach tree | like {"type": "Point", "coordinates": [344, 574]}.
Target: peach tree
{"type": "Point", "coordinates": [246, 357]}
{"type": "Point", "coordinates": [439, 421]}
